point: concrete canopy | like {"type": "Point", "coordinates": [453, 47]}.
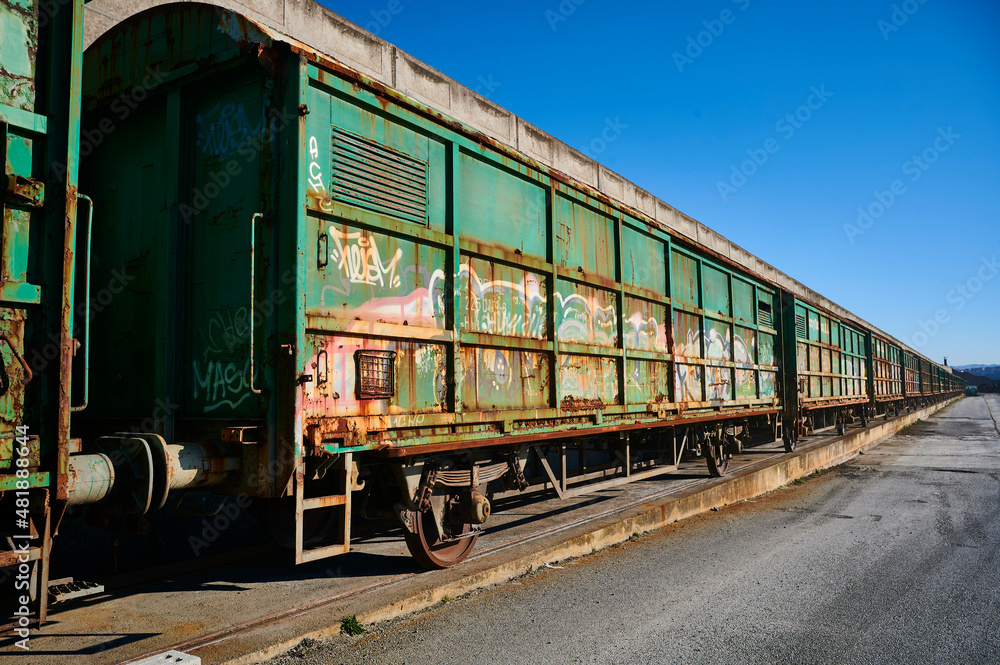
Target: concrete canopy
{"type": "Point", "coordinates": [337, 38]}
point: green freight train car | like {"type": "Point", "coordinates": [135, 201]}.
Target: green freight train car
{"type": "Point", "coordinates": [40, 77]}
{"type": "Point", "coordinates": [333, 297]}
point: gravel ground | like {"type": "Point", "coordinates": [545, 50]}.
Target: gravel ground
{"type": "Point", "coordinates": [891, 558]}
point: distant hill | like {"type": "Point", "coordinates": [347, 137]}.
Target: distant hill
{"type": "Point", "coordinates": [974, 379]}
{"type": "Point", "coordinates": [979, 375]}
{"type": "Point", "coordinates": [975, 367]}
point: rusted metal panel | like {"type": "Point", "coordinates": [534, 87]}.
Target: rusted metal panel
{"type": "Point", "coordinates": [648, 382]}
{"type": "Point", "coordinates": [831, 358]}
{"type": "Point", "coordinates": [500, 299]}
{"type": "Point", "coordinates": [911, 384]}
{"type": "Point", "coordinates": [586, 315]}
{"type": "Point", "coordinates": [499, 379]}
{"type": "Point", "coordinates": [420, 373]}
{"type": "Point", "coordinates": [361, 274]}
{"type": "Point", "coordinates": [519, 200]}
{"type": "Point", "coordinates": [39, 143]}
{"type": "Point", "coordinates": [887, 370]}
{"type": "Point", "coordinates": [19, 34]}
{"type": "Point", "coordinates": [645, 325]}
{"type": "Point", "coordinates": [588, 383]}
{"type": "Point", "coordinates": [585, 239]}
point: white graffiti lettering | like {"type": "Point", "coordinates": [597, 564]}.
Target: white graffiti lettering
{"type": "Point", "coordinates": [221, 383]}
{"type": "Point", "coordinates": [315, 170]}
{"type": "Point", "coordinates": [406, 420]}
{"type": "Point", "coordinates": [360, 261]}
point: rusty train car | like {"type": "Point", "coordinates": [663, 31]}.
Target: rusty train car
{"type": "Point", "coordinates": [40, 81]}
{"type": "Point", "coordinates": [330, 296]}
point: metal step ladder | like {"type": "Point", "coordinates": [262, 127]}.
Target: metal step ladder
{"type": "Point", "coordinates": [342, 468]}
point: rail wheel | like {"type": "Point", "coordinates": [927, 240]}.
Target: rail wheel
{"type": "Point", "coordinates": [430, 550]}
{"type": "Point", "coordinates": [718, 460]}
{"type": "Point", "coordinates": [841, 426]}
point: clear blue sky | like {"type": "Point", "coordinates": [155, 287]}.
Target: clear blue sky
{"type": "Point", "coordinates": [927, 87]}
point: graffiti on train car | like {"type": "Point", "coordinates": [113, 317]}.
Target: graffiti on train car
{"type": "Point", "coordinates": [502, 306]}
{"type": "Point", "coordinates": [588, 316]}
{"type": "Point", "coordinates": [505, 300]}
{"type": "Point", "coordinates": [647, 381]}
{"type": "Point", "coordinates": [216, 379]}
{"type": "Point", "coordinates": [226, 128]}
{"type": "Point", "coordinates": [220, 383]}
{"type": "Point", "coordinates": [587, 382]}
{"type": "Point", "coordinates": [358, 258]}
{"type": "Point", "coordinates": [226, 331]}
{"type": "Point", "coordinates": [419, 373]}
{"type": "Point", "coordinates": [718, 341]}
{"type": "Point", "coordinates": [492, 316]}
{"type": "Point", "coordinates": [644, 332]}
{"type": "Point", "coordinates": [315, 180]}
{"type": "Point", "coordinates": [687, 382]}
{"type": "Point", "coordinates": [492, 379]}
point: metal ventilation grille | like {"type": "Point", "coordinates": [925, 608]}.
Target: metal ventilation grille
{"type": "Point", "coordinates": [375, 374]}
{"type": "Point", "coordinates": [764, 314]}
{"type": "Point", "coordinates": [800, 326]}
{"type": "Point", "coordinates": [374, 177]}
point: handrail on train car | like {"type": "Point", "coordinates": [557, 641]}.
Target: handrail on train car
{"type": "Point", "coordinates": [253, 278]}
{"type": "Point", "coordinates": [86, 317]}
{"type": "Point", "coordinates": [28, 376]}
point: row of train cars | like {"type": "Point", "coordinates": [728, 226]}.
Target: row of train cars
{"type": "Point", "coordinates": [235, 267]}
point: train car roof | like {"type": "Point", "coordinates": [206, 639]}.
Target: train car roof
{"type": "Point", "coordinates": [325, 35]}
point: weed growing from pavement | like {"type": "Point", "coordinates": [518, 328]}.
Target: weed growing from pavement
{"type": "Point", "coordinates": [804, 479]}
{"type": "Point", "coordinates": [446, 599]}
{"type": "Point", "coordinates": [351, 626]}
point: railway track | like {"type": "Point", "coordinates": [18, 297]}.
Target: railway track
{"type": "Point", "coordinates": [749, 459]}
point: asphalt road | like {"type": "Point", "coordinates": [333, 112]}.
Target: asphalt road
{"type": "Point", "coordinates": [891, 558]}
